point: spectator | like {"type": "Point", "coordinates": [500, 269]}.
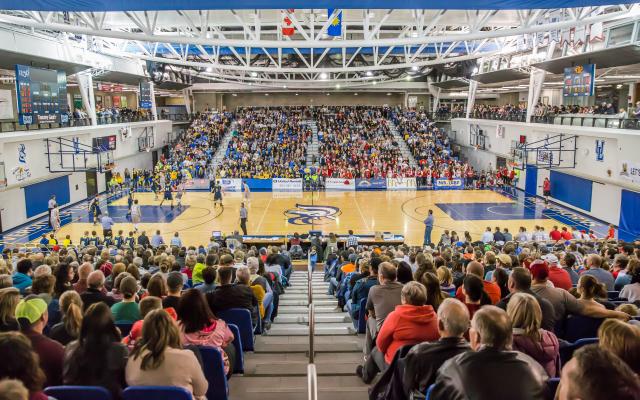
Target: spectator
{"type": "Point", "coordinates": [175, 284]}
{"type": "Point", "coordinates": [520, 282]}
{"type": "Point", "coordinates": [68, 329]}
{"type": "Point", "coordinates": [528, 337]}
{"type": "Point", "coordinates": [199, 327]}
{"type": "Point", "coordinates": [157, 240]}
{"type": "Point", "coordinates": [22, 278]}
{"type": "Point", "coordinates": [557, 275]}
{"type": "Point", "coordinates": [474, 294]}
{"type": "Point", "coordinates": [493, 290]}
{"type": "Point", "coordinates": [591, 291]}
{"type": "Point", "coordinates": [147, 305]}
{"type": "Point", "coordinates": [159, 360]}
{"type": "Point", "coordinates": [209, 275]}
{"type": "Point", "coordinates": [362, 287]}
{"type": "Point", "coordinates": [569, 263]}
{"type": "Point", "coordinates": [83, 273]}
{"type": "Point", "coordinates": [631, 291]}
{"type": "Point", "coordinates": [94, 293]}
{"type": "Point", "coordinates": [20, 362]}
{"type": "Point", "coordinates": [64, 274]}
{"type": "Point", "coordinates": [582, 377]}
{"type": "Point", "coordinates": [32, 316]}
{"type": "Point", "coordinates": [157, 286]}
{"type": "Point", "coordinates": [423, 361]}
{"type": "Point", "coordinates": [469, 372]}
{"type": "Point", "coordinates": [12, 389]}
{"type": "Point", "coordinates": [381, 301]}
{"type": "Point", "coordinates": [127, 310]}
{"type": "Point", "coordinates": [594, 264]}
{"type": "Point", "coordinates": [621, 339]}
{"type": "Point", "coordinates": [243, 277]}
{"type": "Point", "coordinates": [9, 299]}
{"type": "Point", "coordinates": [229, 295]}
{"type": "Point", "coordinates": [97, 358]}
{"type": "Point", "coordinates": [411, 322]}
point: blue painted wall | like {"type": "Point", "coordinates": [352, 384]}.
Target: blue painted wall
{"type": "Point", "coordinates": [36, 196]}
{"type": "Point", "coordinates": [571, 190]}
{"type": "Point", "coordinates": [629, 216]}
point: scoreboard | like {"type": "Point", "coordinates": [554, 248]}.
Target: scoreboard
{"type": "Point", "coordinates": [145, 95]}
{"type": "Point", "coordinates": [41, 95]}
{"type": "Point", "coordinates": [579, 80]}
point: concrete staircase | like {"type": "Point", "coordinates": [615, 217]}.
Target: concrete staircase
{"type": "Point", "coordinates": [224, 144]}
{"type": "Point", "coordinates": [404, 149]}
{"type": "Point", "coordinates": [277, 370]}
{"type": "Point", "coordinates": [312, 149]}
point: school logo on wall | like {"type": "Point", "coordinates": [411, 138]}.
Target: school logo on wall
{"type": "Point", "coordinates": [305, 214]}
{"type": "Point", "coordinates": [599, 150]}
{"type": "Point", "coordinates": [21, 171]}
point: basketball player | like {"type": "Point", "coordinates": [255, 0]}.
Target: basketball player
{"type": "Point", "coordinates": [247, 192]}
{"type": "Point", "coordinates": [217, 195]}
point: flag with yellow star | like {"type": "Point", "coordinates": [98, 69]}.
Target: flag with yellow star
{"type": "Point", "coordinates": [335, 27]}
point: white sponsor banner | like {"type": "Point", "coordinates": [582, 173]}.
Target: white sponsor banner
{"type": "Point", "coordinates": [197, 184]}
{"type": "Point", "coordinates": [6, 104]}
{"type": "Point", "coordinates": [401, 183]}
{"type": "Point", "coordinates": [230, 184]}
{"type": "Point", "coordinates": [630, 171]}
{"type": "Point", "coordinates": [340, 183]}
{"type": "Point", "coordinates": [286, 184]}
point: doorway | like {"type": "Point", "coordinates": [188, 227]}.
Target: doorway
{"type": "Point", "coordinates": [92, 184]}
{"type": "Point", "coordinates": [501, 162]}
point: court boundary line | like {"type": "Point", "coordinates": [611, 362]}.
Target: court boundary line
{"type": "Point", "coordinates": [264, 213]}
{"type": "Point", "coordinates": [366, 224]}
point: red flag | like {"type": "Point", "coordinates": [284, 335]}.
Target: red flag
{"type": "Point", "coordinates": [287, 25]}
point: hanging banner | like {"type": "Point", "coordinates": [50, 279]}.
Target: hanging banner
{"type": "Point", "coordinates": [401, 184]}
{"type": "Point", "coordinates": [600, 150]}
{"type": "Point", "coordinates": [230, 184]}
{"type": "Point", "coordinates": [371, 184]}
{"type": "Point", "coordinates": [286, 184]}
{"type": "Point", "coordinates": [449, 184]}
{"type": "Point", "coordinates": [340, 183]}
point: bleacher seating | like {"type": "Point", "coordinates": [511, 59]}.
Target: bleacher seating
{"type": "Point", "coordinates": [242, 319]}
{"type": "Point", "coordinates": [214, 372]}
{"type": "Point", "coordinates": [155, 393]}
{"type": "Point", "coordinates": [78, 393]}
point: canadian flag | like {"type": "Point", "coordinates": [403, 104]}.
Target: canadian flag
{"type": "Point", "coordinates": [287, 24]}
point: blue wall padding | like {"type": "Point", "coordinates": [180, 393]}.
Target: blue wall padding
{"type": "Point", "coordinates": [36, 196]}
{"type": "Point", "coordinates": [629, 216]}
{"type": "Point", "coordinates": [571, 189]}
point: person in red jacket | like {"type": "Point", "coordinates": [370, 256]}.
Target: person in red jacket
{"type": "Point", "coordinates": [557, 274]}
{"type": "Point", "coordinates": [546, 190]}
{"type": "Point", "coordinates": [411, 322]}
{"type": "Point", "coordinates": [566, 235]}
{"type": "Point", "coordinates": [492, 289]}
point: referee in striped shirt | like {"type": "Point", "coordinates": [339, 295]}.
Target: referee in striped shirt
{"type": "Point", "coordinates": [352, 240]}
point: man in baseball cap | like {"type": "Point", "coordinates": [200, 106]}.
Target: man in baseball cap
{"type": "Point", "coordinates": [32, 316]}
{"type": "Point", "coordinates": [557, 275]}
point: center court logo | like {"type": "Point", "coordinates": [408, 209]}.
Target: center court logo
{"type": "Point", "coordinates": [311, 214]}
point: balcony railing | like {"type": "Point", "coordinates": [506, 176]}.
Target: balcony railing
{"type": "Point", "coordinates": [588, 120]}
{"type": "Point", "coordinates": [14, 126]}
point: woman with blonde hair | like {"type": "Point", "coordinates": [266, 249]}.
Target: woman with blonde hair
{"type": "Point", "coordinates": [446, 280]}
{"type": "Point", "coordinates": [9, 298]}
{"type": "Point", "coordinates": [158, 358]}
{"type": "Point", "coordinates": [528, 336]}
{"type": "Point", "coordinates": [623, 340]}
{"type": "Point", "coordinates": [68, 329]}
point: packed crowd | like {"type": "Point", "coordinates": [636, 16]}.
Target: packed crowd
{"type": "Point", "coordinates": [62, 310]}
{"type": "Point", "coordinates": [453, 318]}
{"type": "Point", "coordinates": [267, 143]}
{"type": "Point", "coordinates": [356, 142]}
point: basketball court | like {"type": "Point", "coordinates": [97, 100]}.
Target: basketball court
{"type": "Point", "coordinates": [283, 213]}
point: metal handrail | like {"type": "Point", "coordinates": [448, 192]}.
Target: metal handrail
{"type": "Point", "coordinates": [312, 321]}
{"type": "Point", "coordinates": [312, 382]}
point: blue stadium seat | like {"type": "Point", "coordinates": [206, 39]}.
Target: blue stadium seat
{"type": "Point", "coordinates": [238, 367]}
{"type": "Point", "coordinates": [578, 327]}
{"type": "Point", "coordinates": [156, 393]}
{"type": "Point", "coordinates": [214, 372]}
{"type": "Point", "coordinates": [125, 327]}
{"type": "Point", "coordinates": [362, 312]}
{"type": "Point", "coordinates": [566, 352]}
{"type": "Point", "coordinates": [241, 317]}
{"type": "Point", "coordinates": [429, 390]}
{"type": "Point", "coordinates": [258, 329]}
{"type": "Point", "coordinates": [78, 392]}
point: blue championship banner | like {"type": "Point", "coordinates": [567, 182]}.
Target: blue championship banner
{"type": "Point", "coordinates": [371, 184]}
